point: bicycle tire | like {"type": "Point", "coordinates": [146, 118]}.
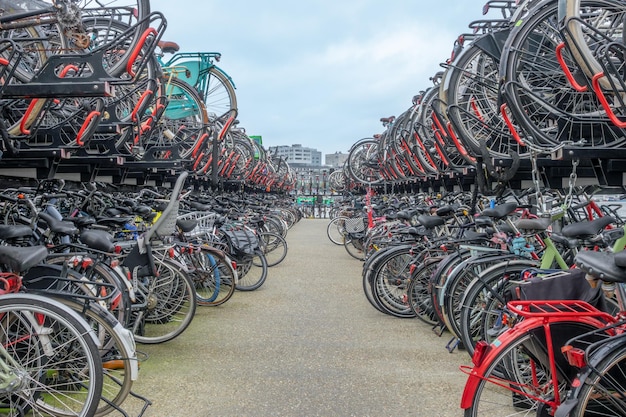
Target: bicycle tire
{"type": "Point", "coordinates": [362, 163]}
{"type": "Point", "coordinates": [115, 295]}
{"type": "Point", "coordinates": [484, 293]}
{"type": "Point", "coordinates": [119, 359]}
{"type": "Point", "coordinates": [390, 281]}
{"type": "Point", "coordinates": [219, 97]}
{"type": "Point", "coordinates": [354, 246]}
{"type": "Point", "coordinates": [471, 94]}
{"type": "Point", "coordinates": [369, 270]}
{"type": "Point", "coordinates": [213, 276]}
{"type": "Point", "coordinates": [274, 247]}
{"type": "Point", "coordinates": [602, 381]}
{"type": "Point", "coordinates": [336, 230]}
{"type": "Point", "coordinates": [251, 271]}
{"type": "Point", "coordinates": [538, 93]}
{"type": "Point", "coordinates": [61, 362]}
{"type": "Point", "coordinates": [438, 279]}
{"type": "Point", "coordinates": [458, 284]}
{"type": "Point", "coordinates": [170, 304]}
{"type": "Point", "coordinates": [521, 365]}
{"type": "Point", "coordinates": [419, 293]}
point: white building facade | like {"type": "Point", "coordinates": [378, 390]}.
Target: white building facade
{"type": "Point", "coordinates": [297, 154]}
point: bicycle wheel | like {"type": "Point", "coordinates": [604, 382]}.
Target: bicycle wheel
{"type": "Point", "coordinates": [117, 351]}
{"type": "Point", "coordinates": [66, 29]}
{"type": "Point", "coordinates": [170, 304]}
{"type": "Point", "coordinates": [251, 271]}
{"type": "Point", "coordinates": [603, 388]}
{"type": "Point", "coordinates": [471, 94]}
{"type": "Point", "coordinates": [419, 292]}
{"type": "Point", "coordinates": [583, 43]}
{"type": "Point", "coordinates": [438, 278]}
{"type": "Point", "coordinates": [183, 122]}
{"type": "Point", "coordinates": [51, 356]}
{"type": "Point", "coordinates": [336, 229]}
{"type": "Point", "coordinates": [457, 286]}
{"type": "Point", "coordinates": [213, 276]}
{"type": "Point", "coordinates": [218, 92]}
{"type": "Point", "coordinates": [518, 380]}
{"type": "Point", "coordinates": [274, 247]}
{"type": "Point", "coordinates": [362, 162]}
{"type": "Point", "coordinates": [354, 245]}
{"type": "Point", "coordinates": [538, 93]}
{"type": "Point", "coordinates": [369, 270]}
{"type": "Point", "coordinates": [481, 306]}
{"type": "Point", "coordinates": [115, 295]}
{"type": "Point", "coordinates": [390, 281]}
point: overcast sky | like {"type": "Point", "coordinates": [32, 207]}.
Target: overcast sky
{"type": "Point", "coordinates": [321, 73]}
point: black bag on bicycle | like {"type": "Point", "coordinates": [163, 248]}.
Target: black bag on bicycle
{"type": "Point", "coordinates": [242, 241]}
{"type": "Point", "coordinates": [561, 285]}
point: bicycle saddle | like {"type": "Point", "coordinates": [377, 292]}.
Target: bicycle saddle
{"type": "Point", "coordinates": [430, 222]}
{"type": "Point", "coordinates": [186, 225]}
{"type": "Point", "coordinates": [606, 266]}
{"type": "Point", "coordinates": [534, 224]}
{"type": "Point", "coordinates": [19, 259]}
{"type": "Point", "coordinates": [587, 228]}
{"type": "Point", "coordinates": [168, 47]}
{"type": "Point", "coordinates": [501, 211]}
{"type": "Point", "coordinates": [98, 240]}
{"type": "Point", "coordinates": [58, 226]}
{"type": "Point", "coordinates": [13, 231]}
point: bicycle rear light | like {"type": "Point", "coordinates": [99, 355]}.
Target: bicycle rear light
{"type": "Point", "coordinates": [575, 356]}
{"type": "Point", "coordinates": [480, 352]}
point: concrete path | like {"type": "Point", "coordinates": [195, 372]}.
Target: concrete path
{"type": "Point", "coordinates": [307, 343]}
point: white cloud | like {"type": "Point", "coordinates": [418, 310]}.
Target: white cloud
{"type": "Point", "coordinates": [321, 72]}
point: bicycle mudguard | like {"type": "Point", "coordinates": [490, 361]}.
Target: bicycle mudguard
{"type": "Point", "coordinates": [588, 373]}
{"type": "Point", "coordinates": [477, 373]}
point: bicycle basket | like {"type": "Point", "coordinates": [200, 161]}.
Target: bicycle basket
{"type": "Point", "coordinates": [242, 241]}
{"type": "Point", "coordinates": [355, 225]}
{"type": "Point", "coordinates": [204, 220]}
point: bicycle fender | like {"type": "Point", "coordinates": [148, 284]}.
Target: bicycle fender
{"type": "Point", "coordinates": [503, 341]}
{"type": "Point", "coordinates": [225, 75]}
{"type": "Point", "coordinates": [588, 373]}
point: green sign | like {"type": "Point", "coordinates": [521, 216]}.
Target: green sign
{"type": "Point", "coordinates": [313, 200]}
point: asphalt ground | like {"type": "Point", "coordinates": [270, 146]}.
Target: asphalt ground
{"type": "Point", "coordinates": [307, 343]}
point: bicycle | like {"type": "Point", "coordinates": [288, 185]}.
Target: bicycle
{"type": "Point", "coordinates": [521, 368]}
{"type": "Point", "coordinates": [49, 355]}
{"type": "Point", "coordinates": [198, 69]}
{"type": "Point", "coordinates": [481, 305]}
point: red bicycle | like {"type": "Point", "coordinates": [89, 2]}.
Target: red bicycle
{"type": "Point", "coordinates": [523, 369]}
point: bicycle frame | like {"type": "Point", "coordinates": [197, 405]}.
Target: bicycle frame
{"type": "Point", "coordinates": [196, 66]}
{"type": "Point", "coordinates": [537, 314]}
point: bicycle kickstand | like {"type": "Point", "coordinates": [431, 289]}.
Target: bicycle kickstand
{"type": "Point", "coordinates": [438, 329]}
{"type": "Point", "coordinates": [453, 344]}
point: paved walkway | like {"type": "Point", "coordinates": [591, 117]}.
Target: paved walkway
{"type": "Point", "coordinates": [307, 343]}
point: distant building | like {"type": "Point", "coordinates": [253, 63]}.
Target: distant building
{"type": "Point", "coordinates": [298, 155]}
{"type": "Point", "coordinates": [335, 160]}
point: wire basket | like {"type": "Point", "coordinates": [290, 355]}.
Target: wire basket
{"type": "Point", "coordinates": [205, 222]}
{"type": "Point", "coordinates": [355, 225]}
